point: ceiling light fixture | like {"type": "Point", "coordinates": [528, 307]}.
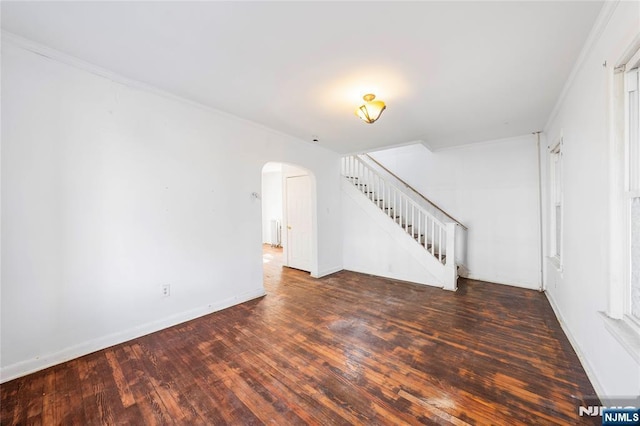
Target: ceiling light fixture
{"type": "Point", "coordinates": [371, 110]}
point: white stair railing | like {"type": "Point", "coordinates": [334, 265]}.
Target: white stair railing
{"type": "Point", "coordinates": [426, 203]}
{"type": "Point", "coordinates": [426, 229]}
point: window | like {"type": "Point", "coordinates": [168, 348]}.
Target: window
{"type": "Point", "coordinates": [556, 203]}
{"type": "Point", "coordinates": [623, 316]}
{"type": "Point", "coordinates": [632, 184]}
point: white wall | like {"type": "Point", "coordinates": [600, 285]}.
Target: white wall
{"type": "Point", "coordinates": [580, 291]}
{"type": "Point", "coordinates": [110, 190]}
{"type": "Point", "coordinates": [271, 202]}
{"type": "Point", "coordinates": [492, 189]}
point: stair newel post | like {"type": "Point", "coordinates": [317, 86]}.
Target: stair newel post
{"type": "Point", "coordinates": [451, 271]}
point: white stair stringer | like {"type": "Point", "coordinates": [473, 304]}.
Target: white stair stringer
{"type": "Point", "coordinates": [376, 245]}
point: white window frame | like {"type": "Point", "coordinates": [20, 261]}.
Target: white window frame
{"type": "Point", "coordinates": [632, 168]}
{"type": "Point", "coordinates": [625, 186]}
{"type": "Point", "coordinates": [556, 190]}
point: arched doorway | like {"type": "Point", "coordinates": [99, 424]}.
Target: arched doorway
{"type": "Point", "coordinates": [288, 214]}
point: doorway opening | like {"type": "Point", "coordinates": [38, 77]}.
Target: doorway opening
{"type": "Point", "coordinates": [288, 219]}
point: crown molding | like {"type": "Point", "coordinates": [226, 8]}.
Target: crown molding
{"type": "Point", "coordinates": [598, 28]}
{"type": "Point", "coordinates": [70, 60]}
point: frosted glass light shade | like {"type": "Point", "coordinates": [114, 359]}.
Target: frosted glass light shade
{"type": "Point", "coordinates": [371, 110]}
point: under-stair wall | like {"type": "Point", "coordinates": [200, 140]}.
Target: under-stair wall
{"type": "Point", "coordinates": [373, 244]}
{"type": "Point", "coordinates": [387, 233]}
{"type": "Point", "coordinates": [425, 203]}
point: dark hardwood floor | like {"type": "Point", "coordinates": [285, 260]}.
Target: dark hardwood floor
{"type": "Point", "coordinates": [345, 349]}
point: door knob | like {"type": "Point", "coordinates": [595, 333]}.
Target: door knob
{"type": "Point", "coordinates": [288, 227]}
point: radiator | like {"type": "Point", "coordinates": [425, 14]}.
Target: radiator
{"type": "Point", "coordinates": [276, 233]}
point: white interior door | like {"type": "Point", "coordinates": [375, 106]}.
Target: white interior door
{"type": "Point", "coordinates": [298, 205]}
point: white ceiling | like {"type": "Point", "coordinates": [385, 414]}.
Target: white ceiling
{"type": "Point", "coordinates": [450, 72]}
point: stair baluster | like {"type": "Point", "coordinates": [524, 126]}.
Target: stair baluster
{"type": "Point", "coordinates": [410, 216]}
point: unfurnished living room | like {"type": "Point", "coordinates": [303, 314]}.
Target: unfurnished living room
{"type": "Point", "coordinates": [320, 213]}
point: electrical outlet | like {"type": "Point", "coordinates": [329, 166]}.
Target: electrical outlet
{"type": "Point", "coordinates": [166, 290]}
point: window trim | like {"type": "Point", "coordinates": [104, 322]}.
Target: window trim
{"type": "Point", "coordinates": [618, 319]}
{"type": "Point", "coordinates": [556, 199]}
{"type": "Point", "coordinates": [632, 177]}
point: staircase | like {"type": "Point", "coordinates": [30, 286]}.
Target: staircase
{"type": "Point", "coordinates": [432, 229]}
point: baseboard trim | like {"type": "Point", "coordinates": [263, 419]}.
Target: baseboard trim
{"type": "Point", "coordinates": [471, 276]}
{"type": "Point", "coordinates": [29, 366]}
{"type": "Point", "coordinates": [394, 277]}
{"type": "Point", "coordinates": [327, 271]}
{"type": "Point", "coordinates": [576, 347]}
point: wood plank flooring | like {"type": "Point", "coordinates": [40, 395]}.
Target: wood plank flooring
{"type": "Point", "coordinates": [345, 349]}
